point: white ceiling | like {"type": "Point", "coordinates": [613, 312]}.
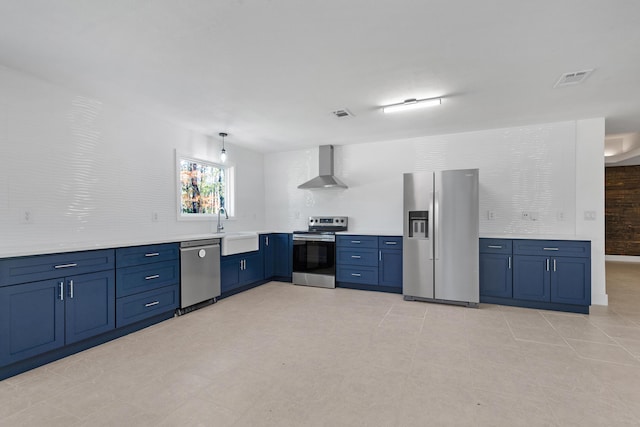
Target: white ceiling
{"type": "Point", "coordinates": [270, 72]}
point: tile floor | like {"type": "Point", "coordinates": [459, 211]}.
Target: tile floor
{"type": "Point", "coordinates": [284, 355]}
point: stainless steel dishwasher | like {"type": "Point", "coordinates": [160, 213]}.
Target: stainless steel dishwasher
{"type": "Point", "coordinates": [199, 274]}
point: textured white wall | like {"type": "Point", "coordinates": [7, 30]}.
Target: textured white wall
{"type": "Point", "coordinates": [530, 168]}
{"type": "Point", "coordinates": [91, 173]}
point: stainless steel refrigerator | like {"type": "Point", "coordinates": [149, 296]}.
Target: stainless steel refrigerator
{"type": "Point", "coordinates": [440, 241]}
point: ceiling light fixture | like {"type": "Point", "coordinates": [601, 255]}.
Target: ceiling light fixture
{"type": "Point", "coordinates": [410, 104]}
{"type": "Point", "coordinates": [223, 152]}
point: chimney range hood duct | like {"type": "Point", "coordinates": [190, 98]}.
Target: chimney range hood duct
{"type": "Point", "coordinates": [326, 179]}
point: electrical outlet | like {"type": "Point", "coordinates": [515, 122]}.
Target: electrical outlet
{"type": "Point", "coordinates": [297, 215]}
{"type": "Point", "coordinates": [27, 217]}
{"type": "Point", "coordinates": [154, 216]}
{"type": "Point", "coordinates": [491, 215]}
{"type": "Point", "coordinates": [560, 215]}
{"type": "Point", "coordinates": [526, 216]}
{"type": "Point", "coordinates": [533, 216]}
{"type": "Point", "coordinates": [590, 215]}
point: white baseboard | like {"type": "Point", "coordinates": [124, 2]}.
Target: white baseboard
{"type": "Point", "coordinates": [622, 258]}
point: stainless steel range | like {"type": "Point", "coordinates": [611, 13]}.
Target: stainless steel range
{"type": "Point", "coordinates": [314, 251]}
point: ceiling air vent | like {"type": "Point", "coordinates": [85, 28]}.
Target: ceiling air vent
{"type": "Point", "coordinates": [342, 113]}
{"type": "Point", "coordinates": [574, 78]}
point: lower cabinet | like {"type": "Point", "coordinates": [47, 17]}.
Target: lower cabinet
{"type": "Point", "coordinates": [278, 256]}
{"type": "Point", "coordinates": [547, 274]}
{"type": "Point", "coordinates": [42, 316]}
{"type": "Point", "coordinates": [240, 270]}
{"type": "Point", "coordinates": [369, 262]}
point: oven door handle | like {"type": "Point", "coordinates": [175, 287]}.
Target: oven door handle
{"type": "Point", "coordinates": [329, 239]}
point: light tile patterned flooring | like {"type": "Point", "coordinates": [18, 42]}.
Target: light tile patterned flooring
{"type": "Point", "coordinates": [284, 355]}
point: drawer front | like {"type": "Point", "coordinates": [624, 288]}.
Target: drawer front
{"type": "Point", "coordinates": [552, 248]}
{"type": "Point", "coordinates": [353, 274]}
{"type": "Point", "coordinates": [390, 242]}
{"type": "Point", "coordinates": [42, 267]}
{"type": "Point", "coordinates": [348, 256]}
{"type": "Point", "coordinates": [496, 246]}
{"type": "Point", "coordinates": [354, 241]}
{"type": "Point", "coordinates": [136, 255]}
{"type": "Point", "coordinates": [141, 278]}
{"type": "Point", "coordinates": [138, 307]}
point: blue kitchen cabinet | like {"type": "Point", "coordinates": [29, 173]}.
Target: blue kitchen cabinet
{"type": "Point", "coordinates": [496, 276]}
{"type": "Point", "coordinates": [369, 262]}
{"type": "Point", "coordinates": [390, 261]}
{"type": "Point", "coordinates": [147, 282]}
{"type": "Point", "coordinates": [267, 247]}
{"type": "Point", "coordinates": [31, 320]}
{"type": "Point", "coordinates": [283, 255]}
{"type": "Point", "coordinates": [41, 316]}
{"type": "Point", "coordinates": [241, 270]}
{"type": "Point", "coordinates": [532, 280]}
{"type": "Point", "coordinates": [569, 277]}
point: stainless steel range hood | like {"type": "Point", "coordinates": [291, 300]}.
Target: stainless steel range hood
{"type": "Point", "coordinates": [326, 179]}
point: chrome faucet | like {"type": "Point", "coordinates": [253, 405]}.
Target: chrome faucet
{"type": "Point", "coordinates": [220, 227]}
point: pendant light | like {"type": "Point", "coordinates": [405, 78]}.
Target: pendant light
{"type": "Point", "coordinates": [223, 152]}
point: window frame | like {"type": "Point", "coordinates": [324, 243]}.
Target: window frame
{"type": "Point", "coordinates": [229, 178]}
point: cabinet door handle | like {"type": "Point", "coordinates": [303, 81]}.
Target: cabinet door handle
{"type": "Point", "coordinates": [266, 240]}
{"type": "Point", "coordinates": [495, 246]}
{"type": "Point", "coordinates": [390, 243]}
{"type": "Point", "coordinates": [379, 255]}
{"type": "Point", "coordinates": [66, 265]}
{"type": "Point", "coordinates": [71, 289]}
{"type": "Point", "coordinates": [550, 249]}
{"type": "Point", "coordinates": [155, 276]}
{"type": "Point", "coordinates": [152, 254]}
{"type": "Point", "coordinates": [547, 264]}
{"type": "Point", "coordinates": [61, 284]}
{"type": "Point", "coordinates": [355, 241]}
{"type": "Point", "coordinates": [509, 263]}
{"type": "Point", "coordinates": [356, 256]}
{"type": "Point", "coordinates": [356, 274]}
{"type": "Point", "coordinates": [151, 304]}
{"type": "Point", "coordinates": [554, 264]}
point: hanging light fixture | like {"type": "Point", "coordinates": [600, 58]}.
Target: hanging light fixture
{"type": "Point", "coordinates": [410, 104]}
{"type": "Point", "coordinates": [223, 152]}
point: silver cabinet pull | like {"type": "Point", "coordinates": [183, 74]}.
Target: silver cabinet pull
{"type": "Point", "coordinates": [66, 265]}
{"type": "Point", "coordinates": [155, 276]}
{"type": "Point", "coordinates": [379, 255]}
{"type": "Point", "coordinates": [356, 274]}
{"type": "Point", "coordinates": [509, 263]}
{"type": "Point", "coordinates": [61, 284]}
{"type": "Point", "coordinates": [495, 246]}
{"type": "Point", "coordinates": [547, 264]}
{"type": "Point", "coordinates": [152, 254]}
{"type": "Point", "coordinates": [356, 256]}
{"type": "Point", "coordinates": [355, 241]}
{"type": "Point", "coordinates": [151, 304]}
{"type": "Point", "coordinates": [266, 240]}
{"type": "Point", "coordinates": [71, 289]}
{"type": "Point", "coordinates": [554, 264]}
{"type": "Point", "coordinates": [550, 249]}
{"type": "Point", "coordinates": [390, 243]}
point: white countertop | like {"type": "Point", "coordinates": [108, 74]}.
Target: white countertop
{"type": "Point", "coordinates": [533, 236]}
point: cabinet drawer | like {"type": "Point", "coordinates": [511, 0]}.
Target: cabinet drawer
{"type": "Point", "coordinates": [42, 267]}
{"type": "Point", "coordinates": [353, 274]}
{"type": "Point", "coordinates": [355, 241]}
{"type": "Point", "coordinates": [140, 278]}
{"type": "Point", "coordinates": [138, 307]}
{"type": "Point", "coordinates": [496, 246]}
{"type": "Point", "coordinates": [136, 255]}
{"type": "Point", "coordinates": [552, 248]}
{"type": "Point", "coordinates": [390, 242]}
{"type": "Point", "coordinates": [348, 256]}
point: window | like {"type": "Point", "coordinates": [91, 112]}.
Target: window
{"type": "Point", "coordinates": [204, 188]}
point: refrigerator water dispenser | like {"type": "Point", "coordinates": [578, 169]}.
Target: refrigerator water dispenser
{"type": "Point", "coordinates": [419, 224]}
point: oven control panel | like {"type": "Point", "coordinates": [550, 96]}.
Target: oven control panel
{"type": "Point", "coordinates": [334, 223]}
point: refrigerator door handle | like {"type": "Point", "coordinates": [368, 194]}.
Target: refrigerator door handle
{"type": "Point", "coordinates": [430, 227]}
{"type": "Point", "coordinates": [435, 227]}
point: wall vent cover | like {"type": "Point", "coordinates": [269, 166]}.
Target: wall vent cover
{"type": "Point", "coordinates": [342, 113]}
{"type": "Point", "coordinates": [573, 78]}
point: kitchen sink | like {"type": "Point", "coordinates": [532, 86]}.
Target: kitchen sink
{"type": "Point", "coordinates": [239, 242]}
